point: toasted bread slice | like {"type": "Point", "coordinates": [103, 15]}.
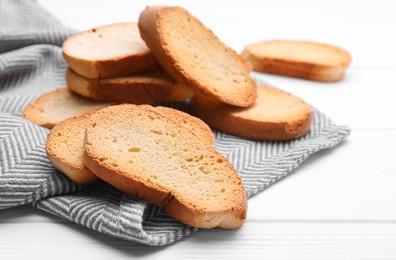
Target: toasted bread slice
{"type": "Point", "coordinates": [276, 116]}
{"type": "Point", "coordinates": [65, 148]}
{"type": "Point", "coordinates": [142, 88]}
{"type": "Point", "coordinates": [65, 141]}
{"type": "Point", "coordinates": [300, 59]}
{"type": "Point", "coordinates": [143, 153]}
{"type": "Point", "coordinates": [57, 105]}
{"type": "Point", "coordinates": [109, 51]}
{"type": "Point", "coordinates": [193, 55]}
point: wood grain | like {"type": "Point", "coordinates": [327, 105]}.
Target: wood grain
{"type": "Point", "coordinates": [257, 239]}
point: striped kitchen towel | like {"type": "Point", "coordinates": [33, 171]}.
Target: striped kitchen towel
{"type": "Point", "coordinates": [31, 63]}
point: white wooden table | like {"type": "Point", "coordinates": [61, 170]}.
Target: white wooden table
{"type": "Point", "coordinates": [340, 204]}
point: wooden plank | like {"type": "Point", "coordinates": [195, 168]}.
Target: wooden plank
{"type": "Point", "coordinates": [256, 240]}
{"type": "Point", "coordinates": [353, 181]}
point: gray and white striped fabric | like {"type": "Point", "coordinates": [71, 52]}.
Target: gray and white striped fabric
{"type": "Point", "coordinates": [30, 64]}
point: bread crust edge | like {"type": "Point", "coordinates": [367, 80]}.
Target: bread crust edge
{"type": "Point", "coordinates": [150, 32]}
{"type": "Point", "coordinates": [248, 128]}
{"type": "Point", "coordinates": [143, 92]}
{"type": "Point", "coordinates": [299, 69]}
{"type": "Point", "coordinates": [108, 68]}
{"type": "Point", "coordinates": [77, 174]}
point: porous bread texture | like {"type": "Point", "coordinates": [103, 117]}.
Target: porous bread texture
{"type": "Point", "coordinates": [64, 148]}
{"type": "Point", "coordinates": [276, 116]}
{"type": "Point", "coordinates": [145, 154]}
{"type": "Point", "coordinates": [195, 125]}
{"type": "Point", "coordinates": [142, 88]}
{"type": "Point", "coordinates": [57, 105]}
{"type": "Point", "coordinates": [300, 59]}
{"type": "Point", "coordinates": [109, 51]}
{"type": "Point", "coordinates": [193, 55]}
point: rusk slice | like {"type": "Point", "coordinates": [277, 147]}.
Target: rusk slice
{"type": "Point", "coordinates": [195, 125]}
{"type": "Point", "coordinates": [276, 116]}
{"type": "Point", "coordinates": [300, 59]}
{"type": "Point", "coordinates": [65, 148]}
{"type": "Point", "coordinates": [109, 51]}
{"type": "Point", "coordinates": [57, 105]}
{"type": "Point", "coordinates": [143, 153]}
{"type": "Point", "coordinates": [142, 88]}
{"type": "Point", "coordinates": [65, 141]}
{"type": "Point", "coordinates": [193, 55]}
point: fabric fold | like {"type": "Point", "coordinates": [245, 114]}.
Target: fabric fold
{"type": "Point", "coordinates": [24, 23]}
{"type": "Point", "coordinates": [26, 175]}
{"type": "Point", "coordinates": [102, 208]}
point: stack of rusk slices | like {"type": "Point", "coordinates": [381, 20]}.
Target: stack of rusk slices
{"type": "Point", "coordinates": [104, 124]}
